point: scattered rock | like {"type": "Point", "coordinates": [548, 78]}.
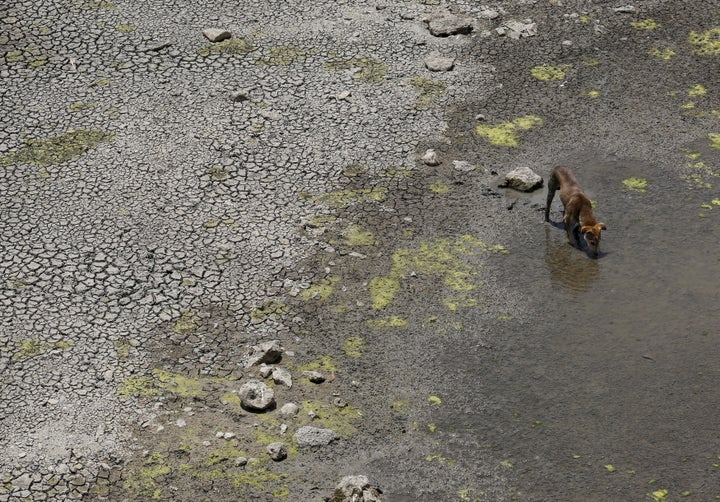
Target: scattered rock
{"type": "Point", "coordinates": [216, 34]}
{"type": "Point", "coordinates": [488, 14]}
{"type": "Point", "coordinates": [265, 370]}
{"type": "Point", "coordinates": [523, 179]}
{"type": "Point", "coordinates": [314, 436]}
{"type": "Point", "coordinates": [437, 62]}
{"type": "Point", "coordinates": [355, 489]}
{"type": "Point", "coordinates": [625, 9]}
{"type": "Point", "coordinates": [463, 166]}
{"type": "Point", "coordinates": [256, 396]}
{"type": "Point", "coordinates": [289, 410]}
{"type": "Point", "coordinates": [518, 29]}
{"type": "Point", "coordinates": [314, 376]}
{"type": "Point", "coordinates": [267, 352]}
{"type": "Point", "coordinates": [241, 461]}
{"type": "Point", "coordinates": [282, 376]}
{"type": "Point", "coordinates": [277, 451]}
{"type": "Point", "coordinates": [155, 46]}
{"type": "Point", "coordinates": [431, 158]}
{"type": "Point", "coordinates": [446, 24]}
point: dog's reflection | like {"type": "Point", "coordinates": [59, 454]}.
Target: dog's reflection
{"type": "Point", "coordinates": [568, 268]}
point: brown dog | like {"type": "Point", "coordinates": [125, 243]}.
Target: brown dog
{"type": "Point", "coordinates": [578, 209]}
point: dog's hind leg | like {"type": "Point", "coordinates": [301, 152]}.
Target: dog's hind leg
{"type": "Point", "coordinates": [553, 186]}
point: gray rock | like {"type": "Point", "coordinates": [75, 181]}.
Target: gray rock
{"type": "Point", "coordinates": [430, 158]}
{"type": "Point", "coordinates": [267, 352]}
{"type": "Point", "coordinates": [463, 166]}
{"type": "Point", "coordinates": [314, 436]}
{"type": "Point", "coordinates": [256, 396]}
{"type": "Point", "coordinates": [216, 34]}
{"type": "Point", "coordinates": [437, 62]}
{"type": "Point", "coordinates": [314, 376]}
{"type": "Point", "coordinates": [355, 489]}
{"type": "Point", "coordinates": [277, 451]}
{"type": "Point", "coordinates": [446, 24]}
{"type": "Point", "coordinates": [523, 179]}
{"type": "Point", "coordinates": [518, 29]}
{"type": "Point", "coordinates": [282, 376]}
{"type": "Point", "coordinates": [289, 410]}
{"type": "Point", "coordinates": [488, 14]}
{"type": "Point", "coordinates": [265, 370]}
{"type": "Point", "coordinates": [240, 95]}
{"type": "Point", "coordinates": [625, 9]}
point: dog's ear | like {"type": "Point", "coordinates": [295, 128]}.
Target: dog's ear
{"type": "Point", "coordinates": [586, 229]}
{"type": "Point", "coordinates": [602, 226]}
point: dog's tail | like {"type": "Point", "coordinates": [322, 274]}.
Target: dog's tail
{"type": "Point", "coordinates": [553, 185]}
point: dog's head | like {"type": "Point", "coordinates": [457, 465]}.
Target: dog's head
{"type": "Point", "coordinates": [592, 234]}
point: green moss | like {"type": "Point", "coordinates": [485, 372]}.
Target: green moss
{"type": "Point", "coordinates": [645, 24]}
{"type": "Point", "coordinates": [342, 198]}
{"type": "Point", "coordinates": [454, 303]}
{"type": "Point", "coordinates": [34, 347]}
{"type": "Point", "coordinates": [177, 384]}
{"type": "Point", "coordinates": [434, 400]}
{"type": "Point", "coordinates": [14, 56]}
{"type": "Point", "coordinates": [232, 47]}
{"type": "Point", "coordinates": [38, 62]}
{"type": "Point", "coordinates": [285, 55]}
{"type": "Point", "coordinates": [355, 236]}
{"type": "Point", "coordinates": [697, 90]}
{"type": "Point", "coordinates": [342, 420]}
{"type": "Point", "coordinates": [443, 257]}
{"type": "Point", "coordinates": [439, 187]}
{"type": "Point", "coordinates": [122, 347]}
{"type": "Point", "coordinates": [146, 481]}
{"type": "Point", "coordinates": [218, 172]}
{"type": "Point", "coordinates": [430, 92]}
{"type": "Point", "coordinates": [402, 406]}
{"type": "Point", "coordinates": [322, 291]}
{"type": "Point", "coordinates": [371, 70]}
{"type": "Point", "coordinates": [508, 133]}
{"type": "Point", "coordinates": [635, 184]}
{"type": "Point", "coordinates": [56, 149]}
{"type": "Point", "coordinates": [664, 54]}
{"type": "Point", "coordinates": [354, 346]}
{"type": "Point", "coordinates": [269, 309]}
{"type": "Point", "coordinates": [591, 94]}
{"type": "Point", "coordinates": [353, 170]}
{"type": "Point", "coordinates": [187, 323]}
{"type": "Point", "coordinates": [101, 82]}
{"type": "Point", "coordinates": [705, 43]}
{"type": "Point", "coordinates": [257, 478]}
{"type": "Point", "coordinates": [323, 363]}
{"type": "Point", "coordinates": [80, 106]}
{"type": "Point", "coordinates": [547, 73]}
{"type": "Point", "coordinates": [125, 28]}
{"type": "Point", "coordinates": [223, 454]}
{"type": "Point", "coordinates": [440, 459]}
{"type": "Point", "coordinates": [388, 322]}
{"type": "Point", "coordinates": [138, 387]}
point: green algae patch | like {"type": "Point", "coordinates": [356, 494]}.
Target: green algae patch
{"type": "Point", "coordinates": [454, 303]}
{"type": "Point", "coordinates": [402, 406]}
{"type": "Point", "coordinates": [57, 149]}
{"type": "Point", "coordinates": [591, 94]}
{"type": "Point", "coordinates": [355, 236]}
{"type": "Point", "coordinates": [342, 419]}
{"type": "Point", "coordinates": [665, 54]}
{"type": "Point", "coordinates": [434, 400]}
{"type": "Point", "coordinates": [322, 291]}
{"type": "Point", "coordinates": [439, 187]}
{"type": "Point", "coordinates": [187, 323]}
{"type": "Point", "coordinates": [343, 198]}
{"type": "Point", "coordinates": [323, 363]}
{"type": "Point", "coordinates": [177, 384]}
{"type": "Point", "coordinates": [705, 43]}
{"type": "Point", "coordinates": [645, 24]}
{"type": "Point", "coordinates": [125, 28]}
{"type": "Point", "coordinates": [35, 347]}
{"type": "Point", "coordinates": [371, 70]}
{"type": "Point", "coordinates": [714, 140]}
{"type": "Point", "coordinates": [285, 55]}
{"type": "Point", "coordinates": [508, 133]}
{"type": "Point", "coordinates": [635, 184]}
{"type": "Point", "coordinates": [137, 387]}
{"type": "Point", "coordinates": [697, 90]}
{"type": "Point", "coordinates": [388, 322]}
{"type": "Point", "coordinates": [231, 47]}
{"type": "Point", "coordinates": [442, 257]}
{"type": "Point", "coordinates": [147, 480]}
{"type": "Point", "coordinates": [269, 309]}
{"type": "Point", "coordinates": [354, 346]}
{"type": "Point", "coordinates": [547, 73]}
{"type": "Point", "coordinates": [429, 90]}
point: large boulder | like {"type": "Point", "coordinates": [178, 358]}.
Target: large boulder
{"type": "Point", "coordinates": [355, 489]}
{"type": "Point", "coordinates": [314, 436]}
{"type": "Point", "coordinates": [523, 179]}
{"type": "Point", "coordinates": [446, 24]}
{"type": "Point", "coordinates": [256, 396]}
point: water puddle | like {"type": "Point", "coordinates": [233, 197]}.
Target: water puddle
{"type": "Point", "coordinates": [613, 392]}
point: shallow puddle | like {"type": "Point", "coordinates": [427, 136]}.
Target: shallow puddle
{"type": "Point", "coordinates": [613, 393]}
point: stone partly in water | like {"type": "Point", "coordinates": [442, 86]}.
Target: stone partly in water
{"type": "Point", "coordinates": [523, 179]}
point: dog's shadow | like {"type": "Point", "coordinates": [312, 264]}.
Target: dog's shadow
{"type": "Point", "coordinates": [568, 267]}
